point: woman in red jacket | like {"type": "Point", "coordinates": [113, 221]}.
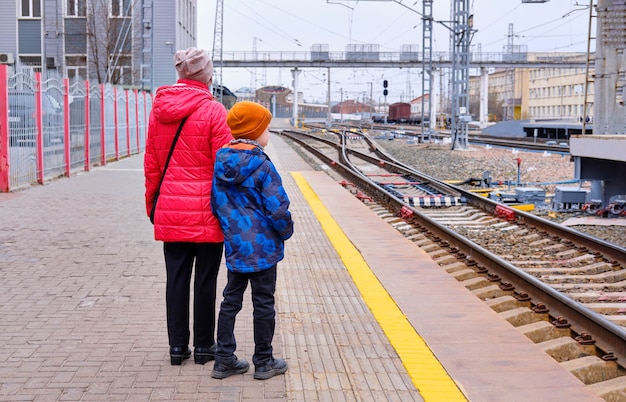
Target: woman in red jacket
{"type": "Point", "coordinates": [182, 214]}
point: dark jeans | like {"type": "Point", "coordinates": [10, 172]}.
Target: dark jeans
{"type": "Point", "coordinates": [179, 261]}
{"type": "Point", "coordinates": [263, 286]}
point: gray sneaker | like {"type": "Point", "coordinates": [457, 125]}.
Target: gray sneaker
{"type": "Point", "coordinates": [226, 370]}
{"type": "Point", "coordinates": [270, 369]}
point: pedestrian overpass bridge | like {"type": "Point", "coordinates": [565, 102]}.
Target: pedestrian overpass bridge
{"type": "Point", "coordinates": [359, 59]}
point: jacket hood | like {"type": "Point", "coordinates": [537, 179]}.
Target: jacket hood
{"type": "Point", "coordinates": [235, 165]}
{"type": "Point", "coordinates": [173, 102]}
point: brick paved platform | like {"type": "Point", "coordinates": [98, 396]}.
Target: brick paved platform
{"type": "Point", "coordinates": [82, 309]}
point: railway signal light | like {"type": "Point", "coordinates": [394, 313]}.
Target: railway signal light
{"type": "Point", "coordinates": [385, 91]}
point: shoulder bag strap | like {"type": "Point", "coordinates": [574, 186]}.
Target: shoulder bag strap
{"type": "Point", "coordinates": [167, 162]}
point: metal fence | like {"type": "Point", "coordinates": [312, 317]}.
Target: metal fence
{"type": "Point", "coordinates": [51, 128]}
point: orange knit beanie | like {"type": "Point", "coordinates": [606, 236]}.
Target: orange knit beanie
{"type": "Point", "coordinates": [248, 120]}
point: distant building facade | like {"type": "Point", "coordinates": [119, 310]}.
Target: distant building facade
{"type": "Point", "coordinates": [123, 42]}
{"type": "Point", "coordinates": [417, 103]}
{"type": "Point", "coordinates": [537, 93]}
{"type": "Point", "coordinates": [558, 93]}
{"type": "Point", "coordinates": [352, 106]}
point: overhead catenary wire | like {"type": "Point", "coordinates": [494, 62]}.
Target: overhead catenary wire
{"type": "Point", "coordinates": [279, 22]}
{"type": "Point", "coordinates": [569, 19]}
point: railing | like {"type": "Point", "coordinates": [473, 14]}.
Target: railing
{"type": "Point", "coordinates": [476, 58]}
{"type": "Point", "coordinates": [51, 128]}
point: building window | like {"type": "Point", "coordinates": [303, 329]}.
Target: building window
{"type": "Point", "coordinates": [121, 70]}
{"type": "Point", "coordinates": [32, 63]}
{"type": "Point", "coordinates": [76, 8]}
{"type": "Point", "coordinates": [76, 67]}
{"type": "Point", "coordinates": [31, 8]}
{"type": "Point", "coordinates": [121, 8]}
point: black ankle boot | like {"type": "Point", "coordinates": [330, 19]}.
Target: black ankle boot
{"type": "Point", "coordinates": [221, 370]}
{"type": "Point", "coordinates": [202, 355]}
{"type": "Point", "coordinates": [178, 354]}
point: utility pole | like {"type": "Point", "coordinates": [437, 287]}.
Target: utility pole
{"type": "Point", "coordinates": [295, 73]}
{"type": "Point", "coordinates": [460, 39]}
{"type": "Point", "coordinates": [253, 81]}
{"type": "Point", "coordinates": [218, 41]}
{"type": "Point", "coordinates": [329, 119]}
{"type": "Point", "coordinates": [371, 106]}
{"type": "Point", "coordinates": [341, 105]}
{"type": "Point", "coordinates": [462, 36]}
{"type": "Point", "coordinates": [509, 107]}
{"type": "Point", "coordinates": [588, 78]}
{"type": "Point", "coordinates": [427, 64]}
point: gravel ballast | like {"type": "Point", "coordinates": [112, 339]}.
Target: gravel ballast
{"type": "Point", "coordinates": [536, 169]}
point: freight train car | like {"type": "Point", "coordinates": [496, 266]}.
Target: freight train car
{"type": "Point", "coordinates": [399, 113]}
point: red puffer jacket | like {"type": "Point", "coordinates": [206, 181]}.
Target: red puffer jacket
{"type": "Point", "coordinates": [183, 212]}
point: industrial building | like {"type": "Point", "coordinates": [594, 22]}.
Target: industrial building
{"type": "Point", "coordinates": [116, 41]}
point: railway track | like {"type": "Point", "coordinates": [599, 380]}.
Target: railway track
{"type": "Point", "coordinates": [474, 137]}
{"type": "Point", "coordinates": [563, 289]}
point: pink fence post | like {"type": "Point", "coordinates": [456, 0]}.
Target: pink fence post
{"type": "Point", "coordinates": [4, 130]}
{"type": "Point", "coordinates": [39, 122]}
{"type": "Point", "coordinates": [103, 154]}
{"type": "Point", "coordinates": [117, 140]}
{"type": "Point", "coordinates": [127, 123]}
{"type": "Point", "coordinates": [87, 128]}
{"type": "Point", "coordinates": [145, 117]}
{"type": "Point", "coordinates": [66, 126]}
{"type": "Point", "coordinates": [137, 116]}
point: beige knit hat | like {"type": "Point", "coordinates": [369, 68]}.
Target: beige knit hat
{"type": "Point", "coordinates": [194, 64]}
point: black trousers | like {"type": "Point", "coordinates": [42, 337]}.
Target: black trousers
{"type": "Point", "coordinates": [179, 262]}
{"type": "Point", "coordinates": [263, 286]}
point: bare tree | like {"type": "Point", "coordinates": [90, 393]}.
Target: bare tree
{"type": "Point", "coordinates": [110, 33]}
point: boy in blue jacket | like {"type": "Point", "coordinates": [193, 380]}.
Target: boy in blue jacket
{"type": "Point", "coordinates": [252, 207]}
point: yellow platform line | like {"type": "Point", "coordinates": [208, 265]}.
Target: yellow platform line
{"type": "Point", "coordinates": [426, 372]}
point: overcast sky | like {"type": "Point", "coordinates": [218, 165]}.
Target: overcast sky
{"type": "Point", "coordinates": [288, 25]}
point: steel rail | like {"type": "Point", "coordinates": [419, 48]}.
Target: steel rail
{"type": "Point", "coordinates": [607, 249]}
{"type": "Point", "coordinates": [610, 338]}
{"type": "Point", "coordinates": [479, 138]}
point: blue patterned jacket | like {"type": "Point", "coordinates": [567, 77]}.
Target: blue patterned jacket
{"type": "Point", "coordinates": [252, 207]}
